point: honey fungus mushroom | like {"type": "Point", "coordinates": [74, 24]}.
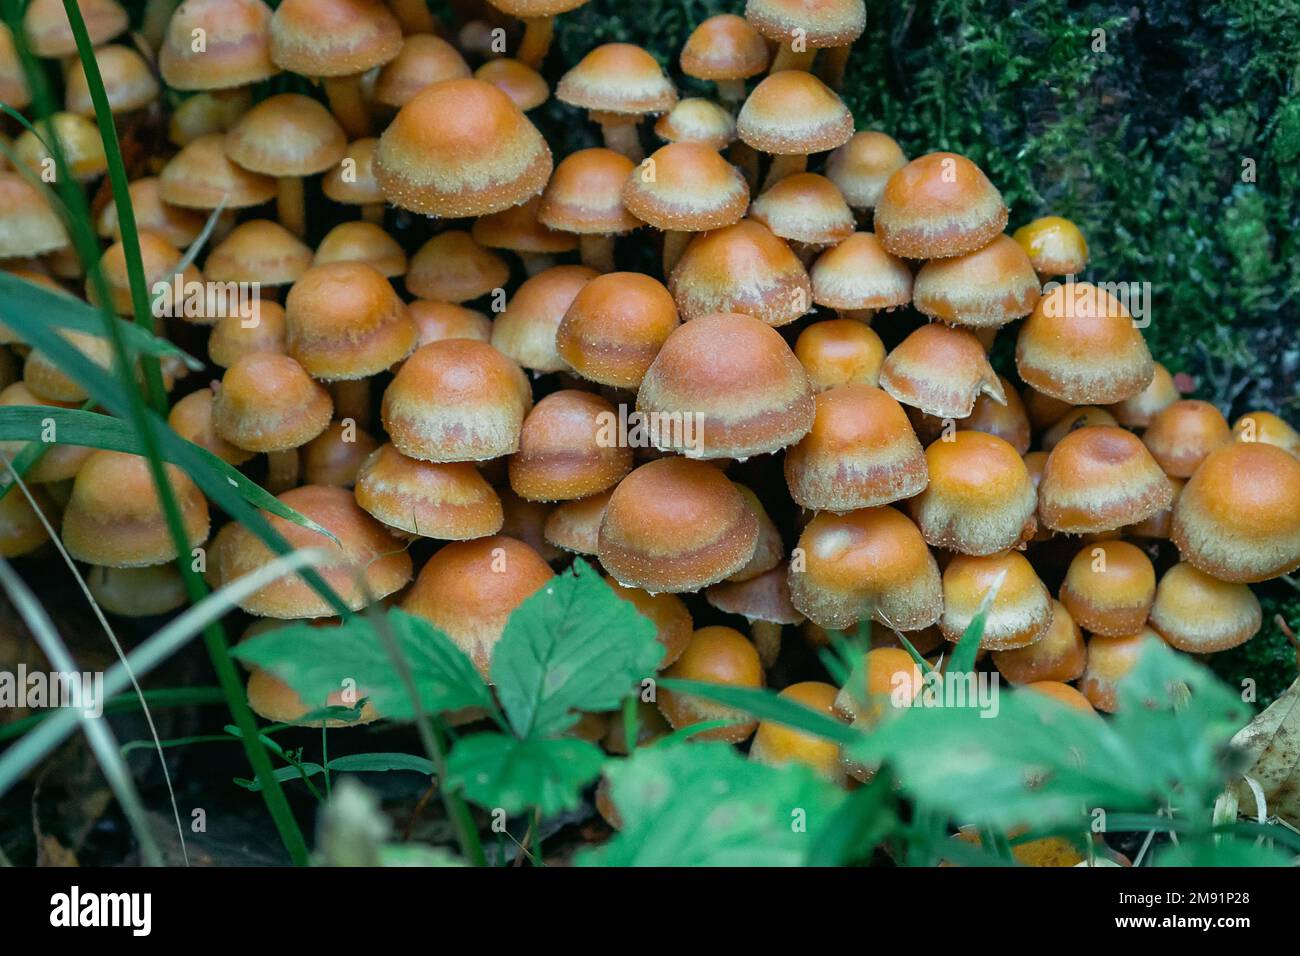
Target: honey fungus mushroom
{"type": "Point", "coordinates": [450, 501]}
{"type": "Point", "coordinates": [937, 206]}
{"type": "Point", "coordinates": [619, 84]}
{"type": "Point", "coordinates": [941, 371]}
{"type": "Point", "coordinates": [1098, 479]}
{"type": "Point", "coordinates": [714, 655]}
{"type": "Point", "coordinates": [1109, 588]}
{"type": "Point", "coordinates": [744, 269]}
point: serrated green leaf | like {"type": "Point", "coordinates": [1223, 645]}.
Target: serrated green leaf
{"type": "Point", "coordinates": [703, 804]}
{"type": "Point", "coordinates": [547, 773]}
{"type": "Point", "coordinates": [315, 662]}
{"type": "Point", "coordinates": [572, 646]}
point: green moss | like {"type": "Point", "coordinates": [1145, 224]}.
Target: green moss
{"type": "Point", "coordinates": [1268, 658]}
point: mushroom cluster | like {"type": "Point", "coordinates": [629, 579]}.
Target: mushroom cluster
{"type": "Point", "coordinates": [794, 427]}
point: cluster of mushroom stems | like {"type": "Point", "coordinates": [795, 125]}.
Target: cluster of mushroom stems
{"type": "Point", "coordinates": [398, 399]}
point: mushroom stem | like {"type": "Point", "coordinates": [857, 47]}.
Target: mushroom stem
{"type": "Point", "coordinates": [622, 135]}
{"type": "Point", "coordinates": [745, 158]}
{"type": "Point", "coordinates": [834, 65]}
{"type": "Point", "coordinates": [861, 315]}
{"type": "Point", "coordinates": [783, 166]}
{"type": "Point", "coordinates": [373, 212]}
{"type": "Point", "coordinates": [291, 206]}
{"type": "Point", "coordinates": [597, 252]}
{"type": "Point", "coordinates": [535, 262]}
{"type": "Point", "coordinates": [352, 400]}
{"type": "Point", "coordinates": [767, 638]}
{"type": "Point", "coordinates": [675, 244]}
{"type": "Point", "coordinates": [347, 105]}
{"type": "Point", "coordinates": [731, 92]}
{"type": "Point", "coordinates": [281, 470]}
{"type": "Point", "coordinates": [787, 59]}
{"type": "Point", "coordinates": [413, 15]}
{"type": "Point", "coordinates": [538, 32]}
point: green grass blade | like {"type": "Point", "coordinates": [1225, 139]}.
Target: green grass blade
{"type": "Point", "coordinates": [766, 705]}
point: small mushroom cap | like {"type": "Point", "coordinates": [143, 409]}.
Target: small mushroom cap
{"type": "Point", "coordinates": [676, 525]}
{"type": "Point", "coordinates": [792, 113]}
{"type": "Point", "coordinates": [453, 267]}
{"type": "Point", "coordinates": [13, 81]}
{"type": "Point", "coordinates": [1062, 693]}
{"type": "Point", "coordinates": [888, 678]}
{"type": "Point", "coordinates": [860, 453]}
{"type": "Point", "coordinates": [29, 226]}
{"type": "Point", "coordinates": [1076, 418]}
{"type": "Point", "coordinates": [536, 8]}
{"type": "Point", "coordinates": [114, 517]}
{"type": "Point", "coordinates": [209, 112]}
{"type": "Point", "coordinates": [1267, 428]}
{"type": "Point", "coordinates": [269, 403]}
{"type": "Point", "coordinates": [1110, 660]}
{"type": "Point", "coordinates": [939, 205]}
{"type": "Point", "coordinates": [335, 456]}
{"type": "Point", "coordinates": [565, 451]}
{"type": "Point", "coordinates": [49, 34]}
{"type": "Point", "coordinates": [201, 176]}
{"type": "Point", "coordinates": [159, 258]}
{"type": "Point", "coordinates": [859, 274]}
{"type": "Point", "coordinates": [714, 655]}
{"type": "Point", "coordinates": [361, 241]}
{"type": "Point", "coordinates": [443, 320]}
{"type": "Point", "coordinates": [1109, 588]}
{"type": "Point", "coordinates": [1009, 422]}
{"type": "Point", "coordinates": [192, 419]}
{"type": "Point", "coordinates": [776, 744]}
{"type": "Point", "coordinates": [424, 59]}
{"type": "Point", "coordinates": [461, 148]}
{"type": "Point", "coordinates": [333, 37]}
{"type": "Point", "coordinates": [1080, 345]}
{"type": "Point", "coordinates": [585, 194]}
{"type": "Point", "coordinates": [724, 47]}
{"type": "Point", "coordinates": [697, 120]}
{"type": "Point", "coordinates": [287, 135]}
{"type": "Point", "coordinates": [1200, 614]}
{"type": "Point", "coordinates": [274, 700]}
{"type": "Point", "coordinates": [1236, 518]}
{"type": "Point", "coordinates": [1043, 410]}
{"type": "Point", "coordinates": [615, 326]}
{"type": "Point", "coordinates": [862, 166]}
{"type": "Point", "coordinates": [259, 250]}
{"type": "Point", "coordinates": [1020, 613]}
{"type": "Point", "coordinates": [128, 82]}
{"type": "Point", "coordinates": [76, 135]}
{"type": "Point", "coordinates": [941, 371]}
{"type": "Point", "coordinates": [871, 563]}
{"type": "Point", "coordinates": [519, 229]}
{"type": "Point", "coordinates": [49, 382]}
{"type": "Point", "coordinates": [986, 288]}
{"type": "Point", "coordinates": [980, 499]}
{"type": "Point", "coordinates": [768, 550]}
{"type": "Point", "coordinates": [1060, 655]}
{"type": "Point", "coordinates": [517, 80]}
{"type": "Point", "coordinates": [737, 379]}
{"type": "Point", "coordinates": [667, 612]}
{"type": "Point", "coordinates": [741, 269]}
{"type": "Point", "coordinates": [456, 400]}
{"type": "Point", "coordinates": [345, 322]}
{"type": "Point", "coordinates": [353, 180]}
{"type": "Point", "coordinates": [1100, 478]}
{"type": "Point", "coordinates": [464, 592]}
{"type": "Point", "coordinates": [575, 525]}
{"type": "Point", "coordinates": [449, 501]}
{"type": "Point", "coordinates": [21, 529]}
{"type": "Point", "coordinates": [178, 226]}
{"type": "Point", "coordinates": [236, 50]}
{"type": "Point", "coordinates": [234, 335]}
{"type": "Point", "coordinates": [618, 78]}
{"type": "Point", "coordinates": [764, 597]}
{"type": "Point", "coordinates": [821, 23]}
{"type": "Point", "coordinates": [60, 462]}
{"type": "Point", "coordinates": [1054, 245]}
{"type": "Point", "coordinates": [686, 187]}
{"type": "Point", "coordinates": [526, 330]}
{"type": "Point", "coordinates": [840, 352]}
{"type": "Point", "coordinates": [1182, 435]}
{"type": "Point", "coordinates": [367, 564]}
{"type": "Point", "coordinates": [805, 208]}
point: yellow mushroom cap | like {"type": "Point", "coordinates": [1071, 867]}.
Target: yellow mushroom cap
{"type": "Point", "coordinates": [236, 48]}
{"type": "Point", "coordinates": [517, 80]}
{"type": "Point", "coordinates": [201, 176]}
{"type": "Point", "coordinates": [792, 113]}
{"type": "Point", "coordinates": [333, 37]}
{"type": "Point", "coordinates": [448, 501]}
{"type": "Point", "coordinates": [1109, 588]}
{"type": "Point", "coordinates": [344, 321]}
{"type": "Point", "coordinates": [1020, 613]}
{"type": "Point", "coordinates": [1267, 428]}
{"type": "Point", "coordinates": [48, 32]}
{"type": "Point", "coordinates": [424, 59]}
{"type": "Point", "coordinates": [776, 744]}
{"type": "Point", "coordinates": [1110, 660]}
{"type": "Point", "coordinates": [261, 251]}
{"type": "Point", "coordinates": [697, 120]}
{"type": "Point", "coordinates": [1061, 693]}
{"type": "Point", "coordinates": [618, 78]}
{"type": "Point", "coordinates": [269, 403]}
{"type": "Point", "coordinates": [676, 525]}
{"type": "Point", "coordinates": [1054, 245]}
{"type": "Point", "coordinates": [453, 267]}
{"type": "Point", "coordinates": [461, 148]}
{"type": "Point", "coordinates": [743, 269]}
{"type": "Point", "coordinates": [128, 82]}
{"type": "Point", "coordinates": [564, 453]}
{"type": "Point", "coordinates": [862, 166]}
{"type": "Point", "coordinates": [353, 180]}
{"type": "Point", "coordinates": [986, 288]}
{"type": "Point", "coordinates": [736, 381]}
{"type": "Point", "coordinates": [860, 453]}
{"type": "Point", "coordinates": [575, 525]}
{"type": "Point", "coordinates": [361, 241]}
{"type": "Point", "coordinates": [29, 226]}
{"type": "Point", "coordinates": [888, 679]}
{"type": "Point", "coordinates": [939, 205]}
{"type": "Point", "coordinates": [274, 700]}
{"type": "Point", "coordinates": [805, 208]}
{"type": "Point", "coordinates": [444, 320]}
{"type": "Point", "coordinates": [287, 135]}
{"type": "Point", "coordinates": [1060, 655]}
{"type": "Point", "coordinates": [585, 194]}
{"type": "Point", "coordinates": [192, 419]}
{"type": "Point", "coordinates": [526, 330]}
{"type": "Point", "coordinates": [941, 371]}
{"type": "Point", "coordinates": [840, 352]}
{"type": "Point", "coordinates": [980, 499]}
{"type": "Point", "coordinates": [871, 563]}
{"type": "Point", "coordinates": [77, 136]}
{"type": "Point", "coordinates": [714, 655]}
{"type": "Point", "coordinates": [233, 335]}
{"type": "Point", "coordinates": [1181, 436]}
{"type": "Point", "coordinates": [1200, 614]}
{"type": "Point", "coordinates": [178, 226]}
{"type": "Point", "coordinates": [1100, 478]}
{"type": "Point", "coordinates": [686, 187]}
{"type": "Point", "coordinates": [821, 23]}
{"type": "Point", "coordinates": [1237, 518]}
{"type": "Point", "coordinates": [724, 47]}
{"type": "Point", "coordinates": [615, 326]}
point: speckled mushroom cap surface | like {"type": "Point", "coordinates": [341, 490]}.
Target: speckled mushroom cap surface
{"type": "Point", "coordinates": [236, 50]}
{"type": "Point", "coordinates": [822, 23]}
{"type": "Point", "coordinates": [585, 194]}
{"type": "Point", "coordinates": [618, 78]}
{"type": "Point", "coordinates": [202, 176]}
{"type": "Point", "coordinates": [686, 187]}
{"type": "Point", "coordinates": [724, 47]}
{"type": "Point", "coordinates": [333, 37]}
{"type": "Point", "coordinates": [939, 205]}
{"type": "Point", "coordinates": [742, 268]}
{"type": "Point", "coordinates": [792, 113]}
{"type": "Point", "coordinates": [287, 135]}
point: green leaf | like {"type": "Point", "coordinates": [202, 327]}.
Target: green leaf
{"type": "Point", "coordinates": [858, 826]}
{"type": "Point", "coordinates": [354, 763]}
{"type": "Point", "coordinates": [703, 804]}
{"type": "Point", "coordinates": [416, 854]}
{"type": "Point", "coordinates": [548, 773]}
{"type": "Point", "coordinates": [574, 645]}
{"type": "Point", "coordinates": [316, 661]}
{"type": "Point", "coordinates": [768, 705]}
